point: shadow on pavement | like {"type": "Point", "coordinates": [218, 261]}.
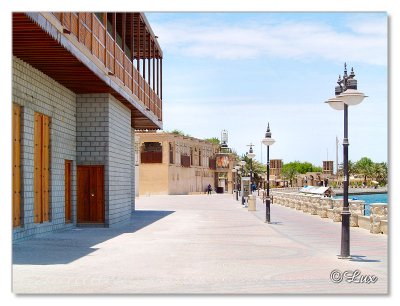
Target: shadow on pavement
{"type": "Point", "coordinates": [360, 258]}
{"type": "Point", "coordinates": [69, 245]}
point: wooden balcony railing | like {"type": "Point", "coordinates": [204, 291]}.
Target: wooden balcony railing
{"type": "Point", "coordinates": [91, 33]}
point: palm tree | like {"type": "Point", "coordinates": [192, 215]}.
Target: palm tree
{"type": "Point", "coordinates": [351, 168]}
{"type": "Point", "coordinates": [258, 169]}
{"type": "Point", "coordinates": [365, 167]}
{"type": "Point", "coordinates": [380, 172]}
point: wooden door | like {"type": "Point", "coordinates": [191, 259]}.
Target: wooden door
{"type": "Point", "coordinates": [16, 171]}
{"type": "Point", "coordinates": [41, 174]}
{"type": "Point", "coordinates": [90, 194]}
{"type": "Point", "coordinates": [68, 183]}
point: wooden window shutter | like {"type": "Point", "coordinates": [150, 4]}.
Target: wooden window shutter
{"type": "Point", "coordinates": [41, 168]}
{"type": "Point", "coordinates": [45, 167]}
{"type": "Point", "coordinates": [16, 171]}
{"type": "Point", "coordinates": [67, 180]}
{"type": "Point", "coordinates": [37, 174]}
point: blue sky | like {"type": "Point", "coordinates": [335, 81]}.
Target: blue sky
{"type": "Point", "coordinates": [239, 71]}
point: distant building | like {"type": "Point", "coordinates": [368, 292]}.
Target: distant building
{"type": "Point", "coordinates": [327, 167]}
{"type": "Point", "coordinates": [317, 178]}
{"type": "Point", "coordinates": [275, 171]}
{"type": "Point", "coordinates": [275, 167]}
{"type": "Point", "coordinates": [225, 161]}
{"type": "Point", "coordinates": [175, 164]}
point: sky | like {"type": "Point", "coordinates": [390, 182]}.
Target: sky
{"type": "Point", "coordinates": [238, 71]}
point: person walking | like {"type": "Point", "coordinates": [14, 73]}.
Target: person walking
{"type": "Point", "coordinates": [209, 189]}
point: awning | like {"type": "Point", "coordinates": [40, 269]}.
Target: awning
{"type": "Point", "coordinates": [314, 189]}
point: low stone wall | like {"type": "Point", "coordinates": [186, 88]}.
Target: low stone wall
{"type": "Point", "coordinates": [331, 208]}
{"type": "Point", "coordinates": [384, 226]}
{"type": "Point", "coordinates": [364, 222]}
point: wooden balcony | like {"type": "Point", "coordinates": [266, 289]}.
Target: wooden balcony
{"type": "Point", "coordinates": [185, 161]}
{"type": "Point", "coordinates": [89, 55]}
{"type": "Point", "coordinates": [151, 157]}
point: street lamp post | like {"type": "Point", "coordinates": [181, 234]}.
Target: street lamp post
{"type": "Point", "coordinates": [268, 141]}
{"type": "Point", "coordinates": [242, 163]}
{"type": "Point", "coordinates": [238, 172]}
{"type": "Point", "coordinates": [346, 95]}
{"type": "Point", "coordinates": [251, 155]}
{"type": "Point", "coordinates": [239, 185]}
{"type": "Point", "coordinates": [234, 171]}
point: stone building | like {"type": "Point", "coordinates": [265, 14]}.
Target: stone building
{"type": "Point", "coordinates": [317, 178]}
{"type": "Point", "coordinates": [81, 84]}
{"type": "Point", "coordinates": [275, 167]}
{"type": "Point", "coordinates": [327, 167]}
{"type": "Point", "coordinates": [225, 161]}
{"type": "Point", "coordinates": [174, 164]}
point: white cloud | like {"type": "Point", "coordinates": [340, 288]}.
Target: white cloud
{"type": "Point", "coordinates": [365, 42]}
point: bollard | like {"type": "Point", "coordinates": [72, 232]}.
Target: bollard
{"type": "Point", "coordinates": [251, 203]}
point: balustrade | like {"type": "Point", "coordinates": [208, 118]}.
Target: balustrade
{"type": "Point", "coordinates": [326, 207]}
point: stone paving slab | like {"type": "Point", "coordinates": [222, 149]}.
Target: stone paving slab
{"type": "Point", "coordinates": [200, 244]}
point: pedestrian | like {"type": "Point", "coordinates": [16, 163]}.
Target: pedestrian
{"type": "Point", "coordinates": [209, 189]}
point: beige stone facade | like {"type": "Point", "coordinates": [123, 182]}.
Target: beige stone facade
{"type": "Point", "coordinates": [175, 164]}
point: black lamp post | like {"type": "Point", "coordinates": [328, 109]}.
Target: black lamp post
{"type": "Point", "coordinates": [242, 163]}
{"type": "Point", "coordinates": [251, 155]}
{"type": "Point", "coordinates": [237, 172]}
{"type": "Point", "coordinates": [346, 95]}
{"type": "Point", "coordinates": [234, 175]}
{"type": "Point", "coordinates": [268, 141]}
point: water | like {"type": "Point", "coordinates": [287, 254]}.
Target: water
{"type": "Point", "coordinates": [369, 199]}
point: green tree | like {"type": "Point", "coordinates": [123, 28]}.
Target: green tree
{"type": "Point", "coordinates": [302, 167]}
{"type": "Point", "coordinates": [289, 172]}
{"type": "Point", "coordinates": [178, 132]}
{"type": "Point", "coordinates": [380, 172]}
{"type": "Point", "coordinates": [351, 168]}
{"type": "Point", "coordinates": [316, 169]}
{"type": "Point", "coordinates": [259, 169]}
{"type": "Point", "coordinates": [292, 169]}
{"type": "Point", "coordinates": [365, 166]}
{"type": "Point", "coordinates": [213, 140]}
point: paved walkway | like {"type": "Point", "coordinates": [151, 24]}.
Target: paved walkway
{"type": "Point", "coordinates": [200, 244]}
